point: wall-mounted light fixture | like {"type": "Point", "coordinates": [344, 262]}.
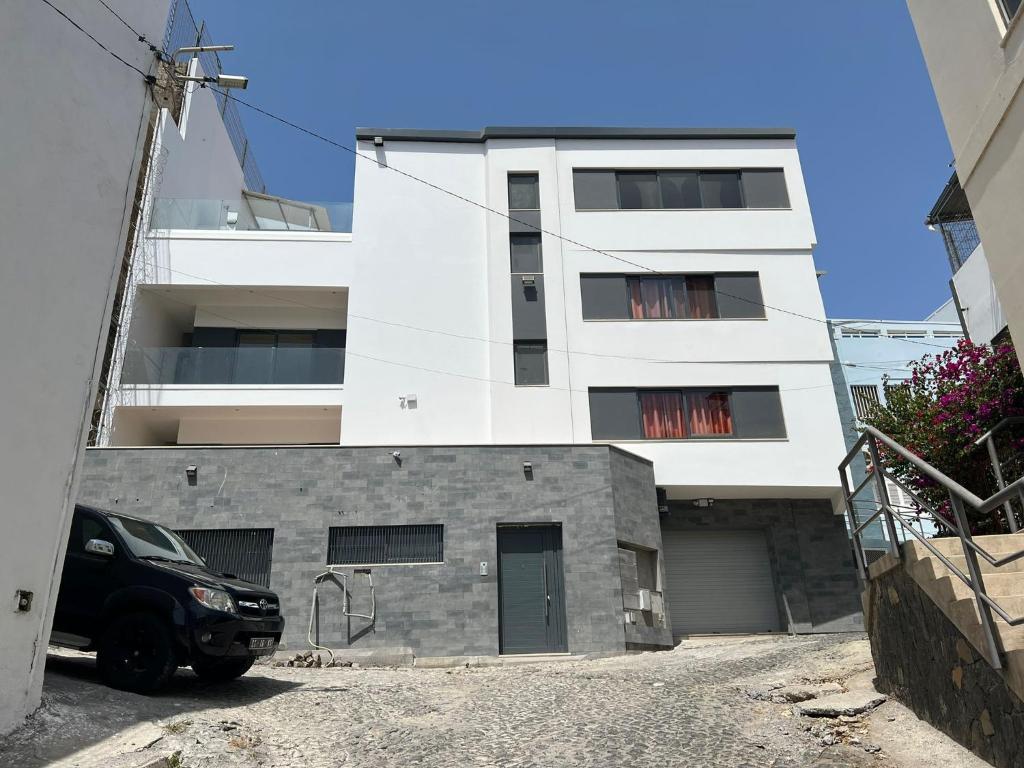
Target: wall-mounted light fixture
{"type": "Point", "coordinates": [703, 503]}
{"type": "Point", "coordinates": [192, 474]}
{"type": "Point", "coordinates": [378, 141]}
{"type": "Point", "coordinates": [528, 470]}
{"type": "Point", "coordinates": [529, 280]}
{"type": "Point", "coordinates": [224, 81]}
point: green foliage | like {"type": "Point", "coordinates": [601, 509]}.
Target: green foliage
{"type": "Point", "coordinates": [951, 400]}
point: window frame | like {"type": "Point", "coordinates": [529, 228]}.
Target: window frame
{"type": "Point", "coordinates": [856, 390]}
{"type": "Point", "coordinates": [515, 362]}
{"type": "Point", "coordinates": [440, 527]}
{"type": "Point", "coordinates": [628, 277]}
{"type": "Point", "coordinates": [1009, 20]}
{"type": "Point", "coordinates": [700, 187]}
{"type": "Point", "coordinates": [535, 175]}
{"type": "Point", "coordinates": [685, 393]}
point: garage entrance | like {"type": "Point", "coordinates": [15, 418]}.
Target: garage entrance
{"type": "Point", "coordinates": [719, 581]}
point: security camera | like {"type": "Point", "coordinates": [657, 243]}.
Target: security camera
{"type": "Point", "coordinates": [396, 454]}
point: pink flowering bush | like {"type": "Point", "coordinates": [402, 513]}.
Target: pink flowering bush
{"type": "Point", "coordinates": [950, 401]}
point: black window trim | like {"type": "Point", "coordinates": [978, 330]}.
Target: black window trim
{"type": "Point", "coordinates": [628, 275]}
{"type": "Point", "coordinates": [440, 526]}
{"type": "Point", "coordinates": [732, 438]}
{"type": "Point", "coordinates": [700, 188]}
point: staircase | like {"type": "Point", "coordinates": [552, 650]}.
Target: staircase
{"type": "Point", "coordinates": [1004, 584]}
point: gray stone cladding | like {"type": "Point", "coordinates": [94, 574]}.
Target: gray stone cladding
{"type": "Point", "coordinates": [812, 562]}
{"type": "Point", "coordinates": [923, 660]}
{"type": "Point", "coordinates": [597, 494]}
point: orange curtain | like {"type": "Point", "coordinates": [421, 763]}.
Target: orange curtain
{"type": "Point", "coordinates": [636, 304]}
{"type": "Point", "coordinates": [700, 290]}
{"type": "Point", "coordinates": [709, 413]}
{"type": "Point", "coordinates": [662, 415]}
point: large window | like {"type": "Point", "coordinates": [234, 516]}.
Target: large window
{"type": "Point", "coordinates": [609, 189]}
{"type": "Point", "coordinates": [691, 413]}
{"type": "Point", "coordinates": [523, 192]}
{"type": "Point", "coordinates": [531, 363]}
{"type": "Point", "coordinates": [385, 544]}
{"type": "Point", "coordinates": [671, 297]}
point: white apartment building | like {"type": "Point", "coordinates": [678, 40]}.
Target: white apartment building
{"type": "Point", "coordinates": [602, 350]}
{"type": "Point", "coordinates": [973, 52]}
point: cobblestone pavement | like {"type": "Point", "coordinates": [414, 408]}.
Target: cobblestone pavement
{"type": "Point", "coordinates": [686, 707]}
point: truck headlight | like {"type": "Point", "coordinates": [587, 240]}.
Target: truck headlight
{"type": "Point", "coordinates": [214, 599]}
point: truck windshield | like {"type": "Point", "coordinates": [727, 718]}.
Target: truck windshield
{"type": "Point", "coordinates": [153, 542]}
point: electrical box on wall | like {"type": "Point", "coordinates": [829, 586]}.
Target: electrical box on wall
{"type": "Point", "coordinates": [644, 599]}
{"type": "Point", "coordinates": [483, 568]}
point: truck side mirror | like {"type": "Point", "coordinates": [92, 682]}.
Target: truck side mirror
{"type": "Point", "coordinates": [99, 547]}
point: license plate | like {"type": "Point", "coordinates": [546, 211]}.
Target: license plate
{"type": "Point", "coordinates": [265, 644]}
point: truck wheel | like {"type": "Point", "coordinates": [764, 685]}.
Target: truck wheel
{"type": "Point", "coordinates": [136, 653]}
{"type": "Point", "coordinates": [222, 670]}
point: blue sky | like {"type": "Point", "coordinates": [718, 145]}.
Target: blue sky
{"type": "Point", "coordinates": [848, 76]}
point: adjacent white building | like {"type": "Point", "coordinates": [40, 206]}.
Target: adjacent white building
{"type": "Point", "coordinates": [973, 52]}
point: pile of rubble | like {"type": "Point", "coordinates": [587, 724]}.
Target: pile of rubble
{"type": "Point", "coordinates": [827, 710]}
{"type": "Point", "coordinates": [310, 661]}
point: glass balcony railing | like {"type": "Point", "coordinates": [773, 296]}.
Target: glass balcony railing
{"type": "Point", "coordinates": [234, 365]}
{"type": "Point", "coordinates": [251, 212]}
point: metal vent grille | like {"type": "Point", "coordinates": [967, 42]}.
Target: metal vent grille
{"type": "Point", "coordinates": [865, 397]}
{"type": "Point", "coordinates": [385, 544]}
{"type": "Point", "coordinates": [244, 552]}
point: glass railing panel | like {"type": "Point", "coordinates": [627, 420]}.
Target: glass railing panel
{"type": "Point", "coordinates": [234, 365]}
{"type": "Point", "coordinates": [251, 214]}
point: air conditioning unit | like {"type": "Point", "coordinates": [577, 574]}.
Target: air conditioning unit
{"type": "Point", "coordinates": [644, 596]}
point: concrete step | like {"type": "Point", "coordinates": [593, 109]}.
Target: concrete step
{"type": "Point", "coordinates": [996, 544]}
{"type": "Point", "coordinates": [996, 584]}
{"type": "Point", "coordinates": [938, 569]}
{"type": "Point", "coordinates": [965, 615]}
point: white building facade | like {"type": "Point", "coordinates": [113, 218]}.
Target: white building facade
{"type": "Point", "coordinates": [533, 290]}
{"type": "Point", "coordinates": [973, 52]}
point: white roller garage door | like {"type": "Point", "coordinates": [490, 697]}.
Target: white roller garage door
{"type": "Point", "coordinates": [719, 581]}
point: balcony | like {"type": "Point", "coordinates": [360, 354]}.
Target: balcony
{"type": "Point", "coordinates": [250, 212]}
{"type": "Point", "coordinates": [155, 366]}
{"type": "Point", "coordinates": [952, 216]}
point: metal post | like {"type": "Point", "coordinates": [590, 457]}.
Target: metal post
{"type": "Point", "coordinates": [858, 550]}
{"type": "Point", "coordinates": [883, 495]}
{"type": "Point", "coordinates": [993, 456]}
{"type": "Point", "coordinates": [977, 582]}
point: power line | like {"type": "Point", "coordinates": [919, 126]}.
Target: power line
{"type": "Point", "coordinates": [314, 134]}
{"type": "Point", "coordinates": [141, 37]}
{"type": "Point", "coordinates": [148, 78]}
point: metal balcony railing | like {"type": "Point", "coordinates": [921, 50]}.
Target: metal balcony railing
{"type": "Point", "coordinates": [182, 31]}
{"type": "Point", "coordinates": [957, 523]}
{"type": "Point", "coordinates": [952, 217]}
{"type": "Point", "coordinates": [234, 365]}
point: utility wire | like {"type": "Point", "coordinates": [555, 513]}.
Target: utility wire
{"type": "Point", "coordinates": [148, 78]}
{"type": "Point", "coordinates": [141, 37]}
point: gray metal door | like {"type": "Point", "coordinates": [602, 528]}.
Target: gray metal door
{"type": "Point", "coordinates": [719, 581]}
{"type": "Point", "coordinates": [531, 590]}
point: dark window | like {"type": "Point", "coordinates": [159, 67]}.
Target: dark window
{"type": "Point", "coordinates": [604, 297]}
{"type": "Point", "coordinates": [765, 188]}
{"type": "Point", "coordinates": [895, 387]}
{"type": "Point", "coordinates": [739, 295]}
{"type": "Point", "coordinates": [680, 189]}
{"type": "Point", "coordinates": [676, 414]}
{"type": "Point", "coordinates": [85, 528]}
{"type": "Point", "coordinates": [865, 397]}
{"type": "Point", "coordinates": [638, 189]}
{"type": "Point", "coordinates": [242, 552]}
{"type": "Point", "coordinates": [526, 254]}
{"type": "Point", "coordinates": [523, 191]}
{"type": "Point", "coordinates": [614, 414]}
{"type": "Point", "coordinates": [531, 362]}
{"type": "Point", "coordinates": [671, 297]}
{"type": "Point", "coordinates": [1009, 8]}
{"type": "Point", "coordinates": [607, 189]}
{"type": "Point", "coordinates": [385, 544]}
{"type": "Point", "coordinates": [721, 189]}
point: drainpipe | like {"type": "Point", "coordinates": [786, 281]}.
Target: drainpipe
{"type": "Point", "coordinates": [959, 310]}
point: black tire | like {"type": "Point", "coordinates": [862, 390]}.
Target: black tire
{"type": "Point", "coordinates": [136, 653]}
{"type": "Point", "coordinates": [222, 670]}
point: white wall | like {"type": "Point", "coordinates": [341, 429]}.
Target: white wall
{"type": "Point", "coordinates": [977, 69]}
{"type": "Point", "coordinates": [979, 299]}
{"type": "Point", "coordinates": [70, 142]}
{"type": "Point", "coordinates": [446, 267]}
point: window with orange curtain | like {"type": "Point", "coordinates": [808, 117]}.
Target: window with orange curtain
{"type": "Point", "coordinates": [657, 298]}
{"type": "Point", "coordinates": [700, 294]}
{"type": "Point", "coordinates": [709, 413]}
{"type": "Point", "coordinates": [662, 415]}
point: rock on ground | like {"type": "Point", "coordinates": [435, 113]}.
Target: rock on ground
{"type": "Point", "coordinates": [853, 703]}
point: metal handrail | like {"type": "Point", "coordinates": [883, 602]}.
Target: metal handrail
{"type": "Point", "coordinates": [959, 525]}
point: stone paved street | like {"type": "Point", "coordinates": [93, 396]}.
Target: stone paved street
{"type": "Point", "coordinates": [688, 707]}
